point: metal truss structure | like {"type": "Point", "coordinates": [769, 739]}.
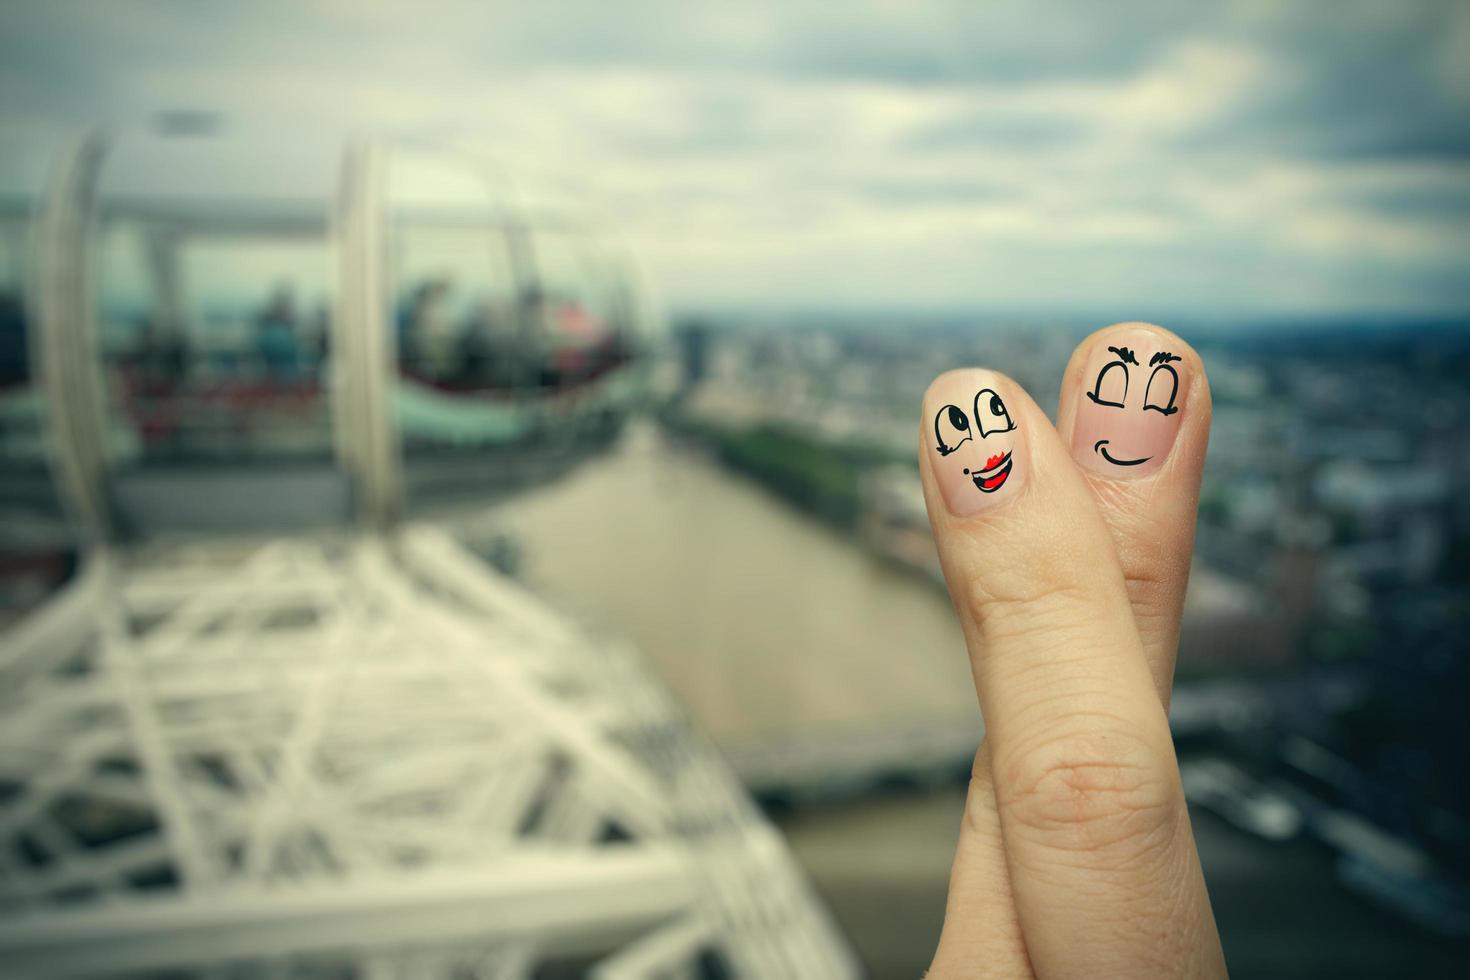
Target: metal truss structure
{"type": "Point", "coordinates": [368, 757]}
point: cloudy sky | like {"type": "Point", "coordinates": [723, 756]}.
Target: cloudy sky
{"type": "Point", "coordinates": [1138, 158]}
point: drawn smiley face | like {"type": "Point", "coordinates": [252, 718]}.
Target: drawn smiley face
{"type": "Point", "coordinates": [1128, 419]}
{"type": "Point", "coordinates": [977, 432]}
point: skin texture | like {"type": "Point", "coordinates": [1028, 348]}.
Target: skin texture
{"type": "Point", "coordinates": [1075, 857]}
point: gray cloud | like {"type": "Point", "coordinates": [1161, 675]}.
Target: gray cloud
{"type": "Point", "coordinates": [965, 153]}
{"type": "Point", "coordinates": [896, 192]}
{"type": "Point", "coordinates": [1030, 133]}
{"type": "Point", "coordinates": [1429, 202]}
{"type": "Point", "coordinates": [1361, 91]}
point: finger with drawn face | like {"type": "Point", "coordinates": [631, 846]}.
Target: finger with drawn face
{"type": "Point", "coordinates": [1135, 410]}
{"type": "Point", "coordinates": [969, 442]}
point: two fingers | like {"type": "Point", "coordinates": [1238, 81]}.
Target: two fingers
{"type": "Point", "coordinates": [1067, 553]}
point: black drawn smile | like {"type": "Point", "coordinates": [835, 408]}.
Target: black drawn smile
{"type": "Point", "coordinates": [1100, 448]}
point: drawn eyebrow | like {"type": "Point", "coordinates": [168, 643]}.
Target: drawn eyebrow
{"type": "Point", "coordinates": [1162, 357]}
{"type": "Point", "coordinates": [1125, 354]}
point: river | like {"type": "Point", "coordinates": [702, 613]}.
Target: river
{"type": "Point", "coordinates": [766, 624]}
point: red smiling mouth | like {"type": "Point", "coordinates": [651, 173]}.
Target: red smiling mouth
{"type": "Point", "coordinates": [997, 469]}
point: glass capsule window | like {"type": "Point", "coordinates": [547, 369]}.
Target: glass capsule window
{"type": "Point", "coordinates": [512, 317]}
{"type": "Point", "coordinates": [212, 317]}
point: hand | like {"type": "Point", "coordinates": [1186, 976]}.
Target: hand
{"type": "Point", "coordinates": [1066, 552]}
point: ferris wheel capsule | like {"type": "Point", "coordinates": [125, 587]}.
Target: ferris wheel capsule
{"type": "Point", "coordinates": [379, 327]}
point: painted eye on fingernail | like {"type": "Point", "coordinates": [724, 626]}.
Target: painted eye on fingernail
{"type": "Point", "coordinates": [1163, 388]}
{"type": "Point", "coordinates": [951, 429]}
{"type": "Point", "coordinates": [1111, 387]}
{"type": "Point", "coordinates": [990, 413]}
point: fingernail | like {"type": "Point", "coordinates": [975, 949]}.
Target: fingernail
{"type": "Point", "coordinates": [971, 441]}
{"type": "Point", "coordinates": [1128, 410]}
